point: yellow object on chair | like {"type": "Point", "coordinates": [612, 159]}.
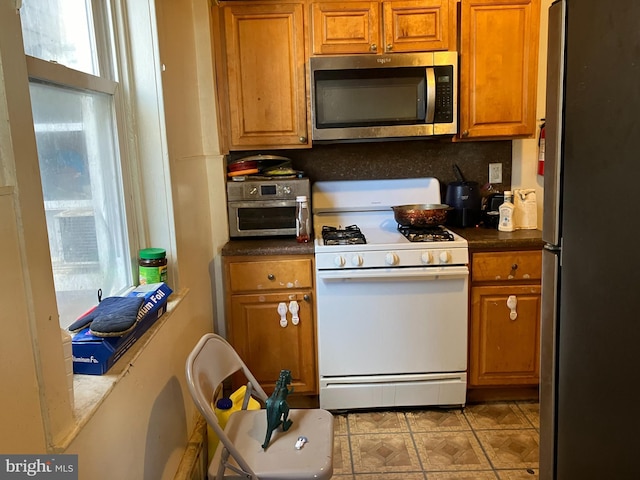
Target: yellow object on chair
{"type": "Point", "coordinates": [235, 403]}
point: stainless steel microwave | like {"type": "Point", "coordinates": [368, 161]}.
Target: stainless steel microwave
{"type": "Point", "coordinates": [384, 96]}
{"type": "Point", "coordinates": [263, 208]}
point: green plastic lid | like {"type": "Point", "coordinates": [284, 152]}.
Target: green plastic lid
{"type": "Point", "coordinates": [153, 253]}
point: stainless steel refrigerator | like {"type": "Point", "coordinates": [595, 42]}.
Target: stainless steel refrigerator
{"type": "Point", "coordinates": [590, 339]}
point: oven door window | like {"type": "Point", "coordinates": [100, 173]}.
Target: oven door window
{"type": "Point", "coordinates": [370, 97]}
{"type": "Point", "coordinates": [266, 218]}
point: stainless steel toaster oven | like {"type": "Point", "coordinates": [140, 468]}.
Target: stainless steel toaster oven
{"type": "Point", "coordinates": [259, 208]}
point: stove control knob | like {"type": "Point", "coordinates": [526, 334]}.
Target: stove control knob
{"type": "Point", "coordinates": [339, 261]}
{"type": "Point", "coordinates": [391, 259]}
{"type": "Point", "coordinates": [356, 260]}
{"type": "Point", "coordinates": [445, 256]}
{"type": "Point", "coordinates": [427, 258]}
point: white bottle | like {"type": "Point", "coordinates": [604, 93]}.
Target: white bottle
{"type": "Point", "coordinates": [303, 219]}
{"type": "Point", "coordinates": [505, 224]}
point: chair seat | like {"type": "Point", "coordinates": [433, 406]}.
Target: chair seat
{"type": "Point", "coordinates": [247, 430]}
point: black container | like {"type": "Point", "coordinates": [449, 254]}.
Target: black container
{"type": "Point", "coordinates": [466, 201]}
{"type": "Point", "coordinates": [490, 213]}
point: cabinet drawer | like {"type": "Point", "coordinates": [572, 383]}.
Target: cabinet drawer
{"type": "Point", "coordinates": [270, 275]}
{"type": "Point", "coordinates": [506, 266]}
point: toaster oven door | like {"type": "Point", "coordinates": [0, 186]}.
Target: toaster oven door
{"type": "Point", "coordinates": [257, 219]}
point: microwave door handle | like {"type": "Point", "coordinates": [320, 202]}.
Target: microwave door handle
{"type": "Point", "coordinates": [431, 95]}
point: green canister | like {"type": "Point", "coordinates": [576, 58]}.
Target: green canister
{"type": "Point", "coordinates": [152, 265]}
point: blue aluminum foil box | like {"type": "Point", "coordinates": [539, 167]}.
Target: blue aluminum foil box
{"type": "Point", "coordinates": [95, 355]}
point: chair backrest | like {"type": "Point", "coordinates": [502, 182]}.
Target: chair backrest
{"type": "Point", "coordinates": [210, 362]}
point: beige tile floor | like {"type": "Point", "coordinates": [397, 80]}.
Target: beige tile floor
{"type": "Point", "coordinates": [489, 441]}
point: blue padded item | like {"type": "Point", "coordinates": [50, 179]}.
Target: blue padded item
{"type": "Point", "coordinates": [113, 317]}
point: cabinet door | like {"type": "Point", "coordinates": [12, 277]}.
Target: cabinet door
{"type": "Point", "coordinates": [416, 25]}
{"type": "Point", "coordinates": [504, 350]}
{"type": "Point", "coordinates": [345, 27]}
{"type": "Point", "coordinates": [355, 27]}
{"type": "Point", "coordinates": [265, 65]}
{"type": "Point", "coordinates": [267, 347]}
{"type": "Point", "coordinates": [498, 68]}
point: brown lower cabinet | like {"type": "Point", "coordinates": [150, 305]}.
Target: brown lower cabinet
{"type": "Point", "coordinates": [255, 288]}
{"type": "Point", "coordinates": [504, 329]}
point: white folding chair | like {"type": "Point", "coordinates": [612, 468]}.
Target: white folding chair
{"type": "Point", "coordinates": [240, 451]}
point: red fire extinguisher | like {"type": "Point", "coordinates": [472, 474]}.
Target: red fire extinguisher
{"type": "Point", "coordinates": [541, 148]}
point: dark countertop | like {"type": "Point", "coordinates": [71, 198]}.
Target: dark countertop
{"type": "Point", "coordinates": [492, 239]}
{"type": "Point", "coordinates": [478, 238]}
{"type": "Point", "coordinates": [267, 246]}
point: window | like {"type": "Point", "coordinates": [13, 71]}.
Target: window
{"type": "Point", "coordinates": [76, 105]}
{"type": "Point", "coordinates": [145, 170]}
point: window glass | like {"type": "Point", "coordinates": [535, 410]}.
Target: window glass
{"type": "Point", "coordinates": [60, 31]}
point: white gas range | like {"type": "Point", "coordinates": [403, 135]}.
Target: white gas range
{"type": "Point", "coordinates": [391, 313]}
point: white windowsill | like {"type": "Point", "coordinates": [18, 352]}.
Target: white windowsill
{"type": "Point", "coordinates": [90, 391]}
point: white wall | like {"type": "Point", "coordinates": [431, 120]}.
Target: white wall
{"type": "Point", "coordinates": [524, 172]}
{"type": "Point", "coordinates": [146, 421]}
{"type": "Point", "coordinates": [19, 402]}
{"type": "Point", "coordinates": [197, 168]}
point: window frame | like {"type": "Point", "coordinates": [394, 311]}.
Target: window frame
{"type": "Point", "coordinates": [111, 58]}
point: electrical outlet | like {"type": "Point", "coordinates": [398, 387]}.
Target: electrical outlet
{"type": "Point", "coordinates": [495, 173]}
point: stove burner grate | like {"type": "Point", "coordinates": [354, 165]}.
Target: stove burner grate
{"type": "Point", "coordinates": [350, 235]}
{"type": "Point", "coordinates": [426, 234]}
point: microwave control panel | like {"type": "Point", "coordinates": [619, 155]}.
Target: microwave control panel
{"type": "Point", "coordinates": [267, 189]}
{"type": "Point", "coordinates": [444, 94]}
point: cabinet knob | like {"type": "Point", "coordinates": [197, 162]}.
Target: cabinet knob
{"type": "Point", "coordinates": [302, 139]}
{"type": "Point", "coordinates": [271, 276]}
{"type": "Point", "coordinates": [389, 47]}
{"type": "Point", "coordinates": [514, 266]}
{"type": "Point", "coordinates": [465, 134]}
{"type": "Point", "coordinates": [373, 47]}
{"type": "Point", "coordinates": [306, 297]}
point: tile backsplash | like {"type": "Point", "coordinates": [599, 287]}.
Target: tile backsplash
{"type": "Point", "coordinates": [400, 159]}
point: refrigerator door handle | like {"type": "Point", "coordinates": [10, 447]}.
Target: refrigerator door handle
{"type": "Point", "coordinates": [548, 363]}
{"type": "Point", "coordinates": [554, 249]}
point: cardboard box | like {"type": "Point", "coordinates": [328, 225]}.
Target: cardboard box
{"type": "Point", "coordinates": [95, 355]}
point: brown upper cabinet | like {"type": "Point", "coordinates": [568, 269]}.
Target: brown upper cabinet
{"type": "Point", "coordinates": [382, 26]}
{"type": "Point", "coordinates": [498, 68]}
{"type": "Point", "coordinates": [261, 74]}
{"type": "Point", "coordinates": [261, 47]}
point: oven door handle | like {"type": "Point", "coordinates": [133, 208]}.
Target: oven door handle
{"type": "Point", "coordinates": [428, 273]}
